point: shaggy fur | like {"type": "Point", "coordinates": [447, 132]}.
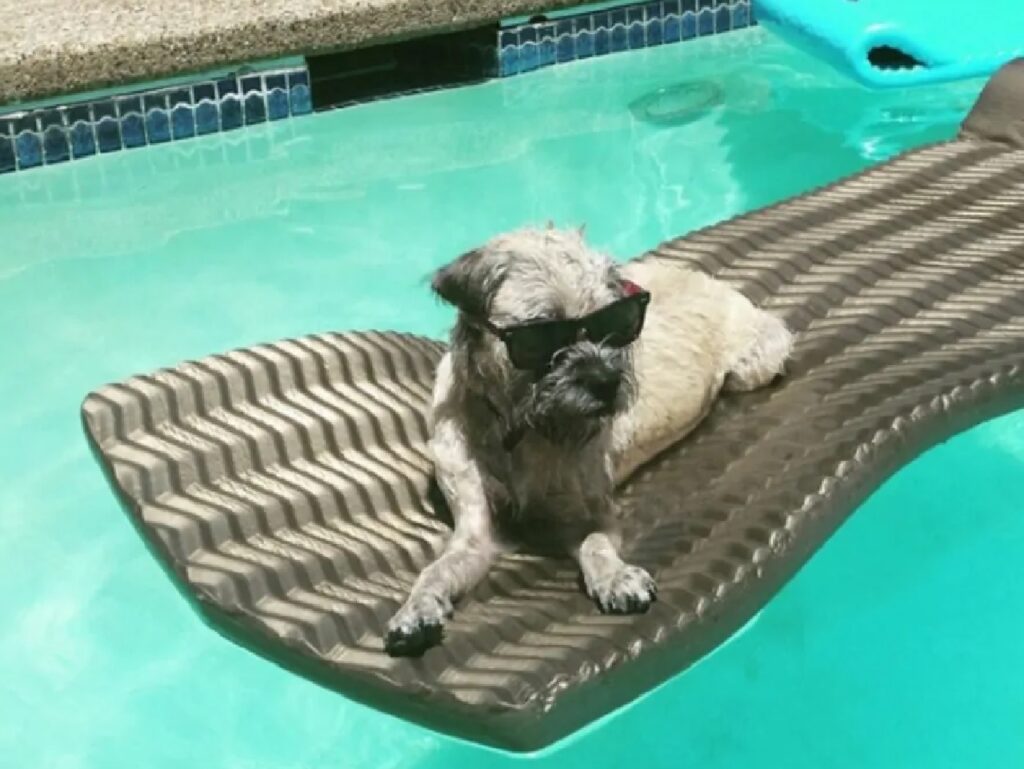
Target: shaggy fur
{"type": "Point", "coordinates": [581, 426]}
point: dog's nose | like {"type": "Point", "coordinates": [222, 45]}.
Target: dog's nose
{"type": "Point", "coordinates": [603, 384]}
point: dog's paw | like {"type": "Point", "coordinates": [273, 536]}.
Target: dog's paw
{"type": "Point", "coordinates": [630, 590]}
{"type": "Point", "coordinates": [417, 626]}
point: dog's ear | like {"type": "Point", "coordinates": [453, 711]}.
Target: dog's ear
{"type": "Point", "coordinates": [470, 281]}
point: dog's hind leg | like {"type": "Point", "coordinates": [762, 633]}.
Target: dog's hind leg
{"type": "Point", "coordinates": [763, 343]}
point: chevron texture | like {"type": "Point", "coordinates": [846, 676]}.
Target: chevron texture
{"type": "Point", "coordinates": [286, 486]}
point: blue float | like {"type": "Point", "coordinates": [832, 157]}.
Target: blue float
{"type": "Point", "coordinates": [902, 42]}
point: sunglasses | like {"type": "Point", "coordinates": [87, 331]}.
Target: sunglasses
{"type": "Point", "coordinates": [532, 345]}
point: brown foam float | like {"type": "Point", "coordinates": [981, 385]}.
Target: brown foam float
{"type": "Point", "coordinates": [286, 486]}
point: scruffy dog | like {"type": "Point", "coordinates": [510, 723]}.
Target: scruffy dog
{"type": "Point", "coordinates": [549, 396]}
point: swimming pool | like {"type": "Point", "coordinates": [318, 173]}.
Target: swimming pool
{"type": "Point", "coordinates": [333, 222]}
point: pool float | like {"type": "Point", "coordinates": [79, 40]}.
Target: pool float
{"type": "Point", "coordinates": [287, 486]}
{"type": "Point", "coordinates": [901, 42]}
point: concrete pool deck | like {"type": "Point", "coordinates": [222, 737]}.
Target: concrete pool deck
{"type": "Point", "coordinates": [66, 46]}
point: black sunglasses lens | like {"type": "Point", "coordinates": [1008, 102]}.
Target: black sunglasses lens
{"type": "Point", "coordinates": [618, 324]}
{"type": "Point", "coordinates": [533, 347]}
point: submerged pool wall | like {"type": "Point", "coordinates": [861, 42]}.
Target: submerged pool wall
{"type": "Point", "coordinates": [67, 128]}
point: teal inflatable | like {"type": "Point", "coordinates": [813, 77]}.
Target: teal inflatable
{"type": "Point", "coordinates": [902, 42]}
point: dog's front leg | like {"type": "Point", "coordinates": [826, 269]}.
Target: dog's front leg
{"type": "Point", "coordinates": [616, 586]}
{"type": "Point", "coordinates": [466, 558]}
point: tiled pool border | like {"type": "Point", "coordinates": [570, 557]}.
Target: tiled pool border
{"type": "Point", "coordinates": [530, 46]}
{"type": "Point", "coordinates": [55, 134]}
{"type": "Point", "coordinates": [73, 130]}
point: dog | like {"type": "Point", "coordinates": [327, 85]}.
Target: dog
{"type": "Point", "coordinates": [549, 396]}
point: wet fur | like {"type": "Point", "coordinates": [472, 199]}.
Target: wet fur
{"type": "Point", "coordinates": [700, 336]}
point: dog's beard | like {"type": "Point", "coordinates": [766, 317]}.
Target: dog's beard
{"type": "Point", "coordinates": [561, 410]}
{"type": "Point", "coordinates": [551, 417]}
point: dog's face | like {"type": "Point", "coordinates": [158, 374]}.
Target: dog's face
{"type": "Point", "coordinates": [525, 277]}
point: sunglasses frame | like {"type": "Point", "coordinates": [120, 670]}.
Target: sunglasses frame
{"type": "Point", "coordinates": [636, 295]}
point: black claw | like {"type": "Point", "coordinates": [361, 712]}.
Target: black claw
{"type": "Point", "coordinates": [399, 643]}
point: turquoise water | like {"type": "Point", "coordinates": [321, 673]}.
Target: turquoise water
{"type": "Point", "coordinates": [898, 645]}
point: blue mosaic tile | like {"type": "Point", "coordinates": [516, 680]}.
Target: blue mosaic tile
{"type": "Point", "coordinates": [547, 52]}
{"type": "Point", "coordinates": [133, 130]}
{"type": "Point", "coordinates": [29, 149]}
{"type": "Point", "coordinates": [672, 8]}
{"type": "Point", "coordinates": [277, 97]}
{"type": "Point", "coordinates": [689, 6]}
{"type": "Point", "coordinates": [207, 118]}
{"type": "Point", "coordinates": [584, 44]}
{"type": "Point", "coordinates": [158, 126]}
{"type": "Point", "coordinates": [231, 113]}
{"type": "Point", "coordinates": [602, 41]}
{"type": "Point", "coordinates": [705, 22]}
{"type": "Point", "coordinates": [723, 19]}
{"type": "Point", "coordinates": [255, 108]}
{"type": "Point", "coordinates": [655, 26]}
{"type": "Point", "coordinates": [507, 38]}
{"type": "Point", "coordinates": [689, 26]}
{"type": "Point", "coordinates": [158, 122]}
{"type": "Point", "coordinates": [740, 16]}
{"type": "Point", "coordinates": [107, 127]}
{"type": "Point", "coordinates": [565, 48]}
{"type": "Point", "coordinates": [619, 39]}
{"type": "Point", "coordinates": [8, 161]}
{"type": "Point", "coordinates": [254, 100]}
{"type": "Point", "coordinates": [301, 100]}
{"type": "Point", "coordinates": [108, 135]}
{"type": "Point", "coordinates": [277, 104]}
{"type": "Point", "coordinates": [672, 29]}
{"type": "Point", "coordinates": [53, 136]}
{"type": "Point", "coordinates": [183, 122]}
{"type": "Point", "coordinates": [508, 61]}
{"type": "Point", "coordinates": [83, 140]}
{"type": "Point", "coordinates": [529, 57]}
{"type": "Point", "coordinates": [528, 35]}
{"type": "Point", "coordinates": [298, 87]}
{"type": "Point", "coordinates": [635, 27]}
{"type": "Point", "coordinates": [55, 144]}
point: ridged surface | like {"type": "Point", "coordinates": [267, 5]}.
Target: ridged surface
{"type": "Point", "coordinates": [286, 484]}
